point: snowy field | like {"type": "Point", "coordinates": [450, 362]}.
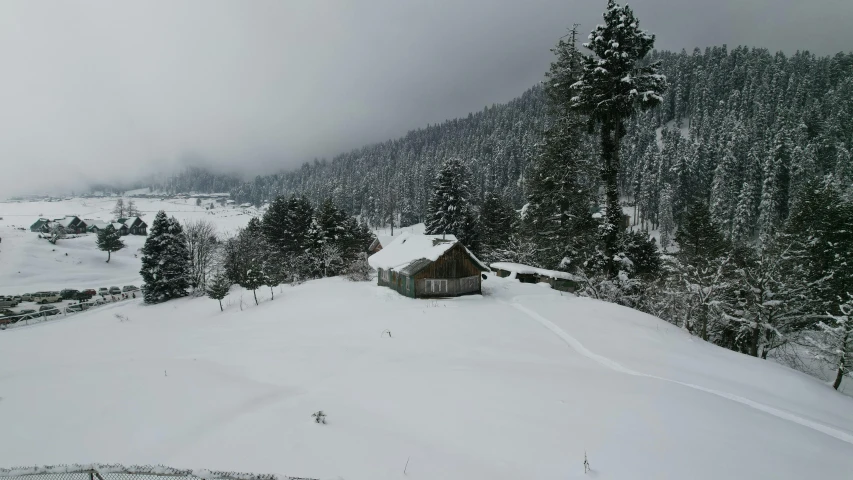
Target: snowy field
{"type": "Point", "coordinates": [29, 264]}
{"type": "Point", "coordinates": [517, 383]}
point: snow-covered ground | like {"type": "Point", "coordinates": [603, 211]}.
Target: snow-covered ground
{"type": "Point", "coordinates": [517, 383]}
{"type": "Point", "coordinates": [29, 264]}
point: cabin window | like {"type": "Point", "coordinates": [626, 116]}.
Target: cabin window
{"type": "Point", "coordinates": [436, 286]}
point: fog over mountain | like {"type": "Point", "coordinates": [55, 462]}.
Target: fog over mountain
{"type": "Point", "coordinates": [113, 91]}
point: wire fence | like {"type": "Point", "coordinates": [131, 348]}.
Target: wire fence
{"type": "Point", "coordinates": [133, 472]}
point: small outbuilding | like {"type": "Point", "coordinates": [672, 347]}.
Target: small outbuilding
{"type": "Point", "coordinates": [562, 281]}
{"type": "Point", "coordinates": [422, 266]}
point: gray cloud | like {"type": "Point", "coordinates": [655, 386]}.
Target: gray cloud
{"type": "Point", "coordinates": [104, 90]}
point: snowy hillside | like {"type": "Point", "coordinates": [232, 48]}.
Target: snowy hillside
{"type": "Point", "coordinates": [518, 383]}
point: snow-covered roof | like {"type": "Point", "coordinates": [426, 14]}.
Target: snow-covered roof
{"type": "Point", "coordinates": [130, 221]}
{"type": "Point", "coordinates": [96, 223]}
{"type": "Point", "coordinates": [67, 221]}
{"type": "Point", "coordinates": [408, 248]}
{"type": "Point", "coordinates": [386, 240]}
{"type": "Point", "coordinates": [522, 269]}
{"type": "Point", "coordinates": [118, 226]}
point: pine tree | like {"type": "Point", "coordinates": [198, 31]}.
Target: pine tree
{"type": "Point", "coordinates": [109, 240]}
{"type": "Point", "coordinates": [497, 225]}
{"type": "Point", "coordinates": [218, 288]}
{"type": "Point", "coordinates": [821, 226]}
{"type": "Point", "coordinates": [253, 279]}
{"type": "Point", "coordinates": [165, 261]}
{"type": "Point", "coordinates": [667, 220]}
{"type": "Point", "coordinates": [450, 209]}
{"type": "Point", "coordinates": [560, 181]}
{"type": "Point", "coordinates": [612, 87]}
{"type": "Point", "coordinates": [699, 238]}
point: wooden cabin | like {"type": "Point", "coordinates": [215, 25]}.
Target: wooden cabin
{"type": "Point", "coordinates": [135, 225]}
{"type": "Point", "coordinates": [424, 266]}
{"type": "Point", "coordinates": [42, 225]}
{"type": "Point", "coordinates": [72, 224]}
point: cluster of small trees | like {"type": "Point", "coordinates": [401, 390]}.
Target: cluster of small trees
{"type": "Point", "coordinates": [125, 210]}
{"type": "Point", "coordinates": [294, 241]}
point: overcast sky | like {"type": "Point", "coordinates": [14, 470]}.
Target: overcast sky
{"type": "Point", "coordinates": [104, 90]}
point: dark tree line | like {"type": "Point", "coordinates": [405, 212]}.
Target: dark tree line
{"type": "Point", "coordinates": [294, 241]}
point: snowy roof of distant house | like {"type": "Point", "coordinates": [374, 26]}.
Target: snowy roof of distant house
{"type": "Point", "coordinates": [67, 221]}
{"type": "Point", "coordinates": [246, 205]}
{"type": "Point", "coordinates": [411, 248]}
{"type": "Point", "coordinates": [118, 226]}
{"type": "Point", "coordinates": [131, 220]}
{"type": "Point", "coordinates": [96, 223]}
{"type": "Point", "coordinates": [522, 269]}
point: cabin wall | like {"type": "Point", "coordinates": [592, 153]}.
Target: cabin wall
{"type": "Point", "coordinates": [455, 263]}
{"type": "Point", "coordinates": [454, 287]}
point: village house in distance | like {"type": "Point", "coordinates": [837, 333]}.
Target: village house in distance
{"type": "Point", "coordinates": [420, 266]}
{"type": "Point", "coordinates": [73, 225]}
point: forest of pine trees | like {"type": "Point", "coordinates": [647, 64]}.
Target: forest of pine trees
{"type": "Point", "coordinates": [741, 128]}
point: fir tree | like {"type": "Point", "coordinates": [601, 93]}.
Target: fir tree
{"type": "Point", "coordinates": [450, 209]}
{"type": "Point", "coordinates": [497, 225]}
{"type": "Point", "coordinates": [699, 238]}
{"type": "Point", "coordinates": [560, 180]}
{"type": "Point", "coordinates": [611, 88]}
{"type": "Point", "coordinates": [253, 279]}
{"type": "Point", "coordinates": [667, 220]}
{"type": "Point", "coordinates": [165, 261]}
{"type": "Point", "coordinates": [218, 288]}
{"type": "Point", "coordinates": [109, 240]}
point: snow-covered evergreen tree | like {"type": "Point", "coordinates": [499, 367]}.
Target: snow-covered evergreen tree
{"type": "Point", "coordinates": [218, 288]}
{"type": "Point", "coordinates": [450, 209]}
{"type": "Point", "coordinates": [613, 85]}
{"type": "Point", "coordinates": [498, 223]}
{"type": "Point", "coordinates": [165, 261]}
{"type": "Point", "coordinates": [109, 240]}
{"type": "Point", "coordinates": [667, 220]}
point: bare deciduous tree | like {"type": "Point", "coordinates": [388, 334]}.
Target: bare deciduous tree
{"type": "Point", "coordinates": [202, 243]}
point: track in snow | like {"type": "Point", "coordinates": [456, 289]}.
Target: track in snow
{"type": "Point", "coordinates": [613, 365]}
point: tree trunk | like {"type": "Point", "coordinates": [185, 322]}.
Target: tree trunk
{"type": "Point", "coordinates": [255, 293]}
{"type": "Point", "coordinates": [220, 306]}
{"type": "Point", "coordinates": [272, 293]}
{"type": "Point", "coordinates": [108, 256]}
{"type": "Point", "coordinates": [610, 178]}
{"type": "Point", "coordinates": [838, 376]}
{"type": "Point", "coordinates": [703, 334]}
